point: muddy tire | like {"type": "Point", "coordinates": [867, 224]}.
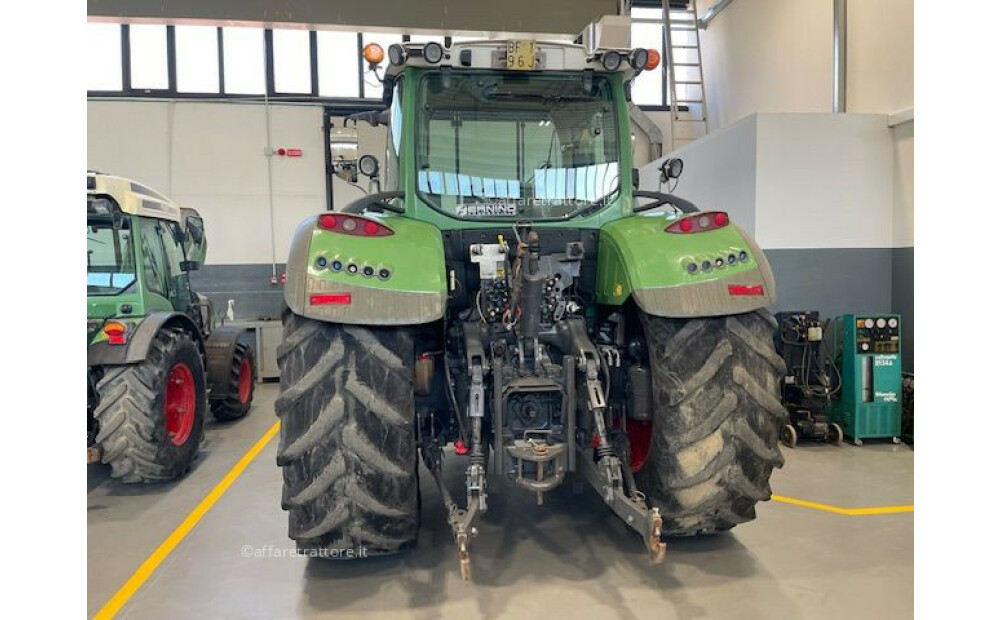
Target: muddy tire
{"type": "Point", "coordinates": [347, 449]}
{"type": "Point", "coordinates": [717, 415]}
{"type": "Point", "coordinates": [239, 391]}
{"type": "Point", "coordinates": [151, 415]}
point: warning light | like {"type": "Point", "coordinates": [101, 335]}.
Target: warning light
{"type": "Point", "coordinates": [373, 53]}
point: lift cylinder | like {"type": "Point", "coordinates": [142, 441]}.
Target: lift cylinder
{"type": "Point", "coordinates": [640, 393]}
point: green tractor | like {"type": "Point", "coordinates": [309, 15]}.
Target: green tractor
{"type": "Point", "coordinates": [510, 298]}
{"type": "Point", "coordinates": [156, 362]}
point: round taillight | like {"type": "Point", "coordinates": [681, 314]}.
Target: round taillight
{"type": "Point", "coordinates": [371, 228]}
{"type": "Point", "coordinates": [704, 222]}
{"type": "Point", "coordinates": [721, 219]}
{"type": "Point", "coordinates": [686, 225]}
{"type": "Point", "coordinates": [349, 224]}
{"type": "Point", "coordinates": [328, 221]}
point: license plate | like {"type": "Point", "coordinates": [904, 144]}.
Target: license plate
{"type": "Point", "coordinates": [521, 55]}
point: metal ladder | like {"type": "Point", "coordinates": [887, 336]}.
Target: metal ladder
{"type": "Point", "coordinates": [678, 25]}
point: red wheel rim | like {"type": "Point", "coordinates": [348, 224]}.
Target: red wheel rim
{"type": "Point", "coordinates": [246, 381]}
{"type": "Point", "coordinates": [180, 403]}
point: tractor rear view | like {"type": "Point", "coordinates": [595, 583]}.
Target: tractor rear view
{"type": "Point", "coordinates": [512, 299]}
{"type": "Point", "coordinates": [156, 363]}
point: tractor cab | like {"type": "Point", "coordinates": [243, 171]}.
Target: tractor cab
{"type": "Point", "coordinates": [140, 248]}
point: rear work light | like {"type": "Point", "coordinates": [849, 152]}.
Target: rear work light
{"type": "Point", "coordinates": [343, 299]}
{"type": "Point", "coordinates": [699, 222]}
{"type": "Point", "coordinates": [353, 225]}
{"type": "Point", "coordinates": [115, 332]}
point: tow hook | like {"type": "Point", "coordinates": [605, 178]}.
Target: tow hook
{"type": "Point", "coordinates": [657, 548]}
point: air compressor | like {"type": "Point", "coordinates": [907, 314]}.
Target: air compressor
{"type": "Point", "coordinates": [811, 378]}
{"type": "Point", "coordinates": [869, 405]}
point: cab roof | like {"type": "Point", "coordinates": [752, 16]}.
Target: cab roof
{"type": "Point", "coordinates": [133, 197]}
{"type": "Point", "coordinates": [491, 54]}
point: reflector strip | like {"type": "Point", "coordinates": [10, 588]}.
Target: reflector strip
{"type": "Point", "coordinates": [744, 289]}
{"type": "Point", "coordinates": [331, 298]}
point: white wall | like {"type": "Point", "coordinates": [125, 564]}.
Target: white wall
{"type": "Point", "coordinates": [777, 56]}
{"type": "Point", "coordinates": [720, 172]}
{"type": "Point", "coordinates": [768, 56]}
{"type": "Point", "coordinates": [880, 55]}
{"type": "Point", "coordinates": [211, 156]}
{"type": "Point", "coordinates": [796, 180]}
{"type": "Point", "coordinates": [824, 181]}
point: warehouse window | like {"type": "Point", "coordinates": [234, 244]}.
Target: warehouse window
{"type": "Point", "coordinates": [197, 49]}
{"type": "Point", "coordinates": [648, 88]}
{"type": "Point", "coordinates": [104, 57]}
{"type": "Point", "coordinates": [243, 61]}
{"type": "Point", "coordinates": [292, 61]}
{"type": "Point", "coordinates": [337, 59]}
{"type": "Point", "coordinates": [148, 57]}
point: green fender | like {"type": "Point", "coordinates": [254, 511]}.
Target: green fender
{"type": "Point", "coordinates": [638, 259]}
{"type": "Point", "coordinates": [413, 255]}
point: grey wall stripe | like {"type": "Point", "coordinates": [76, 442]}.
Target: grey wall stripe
{"type": "Point", "coordinates": [902, 299]}
{"type": "Point", "coordinates": [249, 285]}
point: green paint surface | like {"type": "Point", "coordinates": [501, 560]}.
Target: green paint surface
{"type": "Point", "coordinates": [414, 253]}
{"type": "Point", "coordinates": [637, 253]}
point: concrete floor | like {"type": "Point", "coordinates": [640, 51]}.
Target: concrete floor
{"type": "Point", "coordinates": [571, 557]}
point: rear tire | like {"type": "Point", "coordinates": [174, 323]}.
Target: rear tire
{"type": "Point", "coordinates": [132, 413]}
{"type": "Point", "coordinates": [239, 394]}
{"type": "Point", "coordinates": [717, 414]}
{"type": "Point", "coordinates": [348, 448]}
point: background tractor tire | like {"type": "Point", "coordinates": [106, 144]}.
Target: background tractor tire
{"type": "Point", "coordinates": [151, 415]}
{"type": "Point", "coordinates": [717, 413]}
{"type": "Point", "coordinates": [347, 447]}
{"type": "Point", "coordinates": [239, 394]}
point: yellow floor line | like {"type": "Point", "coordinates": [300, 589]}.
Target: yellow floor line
{"type": "Point", "coordinates": [148, 567]}
{"type": "Point", "coordinates": [156, 558]}
{"type": "Point", "coordinates": [851, 512]}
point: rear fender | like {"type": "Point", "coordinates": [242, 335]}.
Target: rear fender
{"type": "Point", "coordinates": [140, 338]}
{"type": "Point", "coordinates": [638, 259]}
{"type": "Point", "coordinates": [414, 292]}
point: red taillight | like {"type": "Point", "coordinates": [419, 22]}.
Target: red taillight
{"type": "Point", "coordinates": [343, 299]}
{"type": "Point", "coordinates": [699, 222]}
{"type": "Point", "coordinates": [353, 225]}
{"type": "Point", "coordinates": [115, 333]}
{"type": "Point", "coordinates": [746, 289]}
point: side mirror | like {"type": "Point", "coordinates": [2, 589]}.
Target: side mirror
{"type": "Point", "coordinates": [671, 169]}
{"type": "Point", "coordinates": [195, 243]}
{"type": "Point", "coordinates": [344, 152]}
